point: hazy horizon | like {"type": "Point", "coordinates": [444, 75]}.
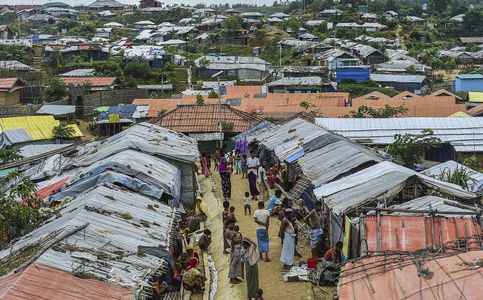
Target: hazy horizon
{"type": "Point", "coordinates": [131, 2]}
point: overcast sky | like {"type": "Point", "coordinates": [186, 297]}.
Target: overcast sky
{"type": "Point", "coordinates": [81, 2]}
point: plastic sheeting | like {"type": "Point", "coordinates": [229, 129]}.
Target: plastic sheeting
{"type": "Point", "coordinates": [151, 170]}
{"type": "Point", "coordinates": [327, 163]}
{"type": "Point", "coordinates": [107, 177]}
{"type": "Point", "coordinates": [148, 138]}
{"type": "Point", "coordinates": [118, 222]}
{"type": "Point", "coordinates": [379, 182]}
{"type": "Point", "coordinates": [435, 203]}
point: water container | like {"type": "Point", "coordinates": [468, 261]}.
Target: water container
{"type": "Point", "coordinates": [312, 263]}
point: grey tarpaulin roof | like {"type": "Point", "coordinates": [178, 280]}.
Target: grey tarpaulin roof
{"type": "Point", "coordinates": [381, 181]}
{"type": "Point", "coordinates": [56, 110]}
{"type": "Point", "coordinates": [148, 138]}
{"type": "Point", "coordinates": [255, 130]}
{"type": "Point", "coordinates": [288, 138]}
{"type": "Point", "coordinates": [36, 149]}
{"type": "Point", "coordinates": [232, 62]}
{"type": "Point", "coordinates": [398, 78]}
{"type": "Point", "coordinates": [464, 134]}
{"type": "Point", "coordinates": [151, 170]}
{"type": "Point", "coordinates": [436, 203]}
{"type": "Point", "coordinates": [14, 136]}
{"type": "Point", "coordinates": [475, 182]}
{"type": "Point", "coordinates": [298, 81]}
{"type": "Point", "coordinates": [325, 164]}
{"type": "Point", "coordinates": [118, 222]}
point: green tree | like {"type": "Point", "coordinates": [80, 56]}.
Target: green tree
{"type": "Point", "coordinates": [63, 131]}
{"type": "Point", "coordinates": [293, 23]}
{"type": "Point", "coordinates": [231, 25]}
{"type": "Point", "coordinates": [212, 94]}
{"type": "Point", "coordinates": [9, 154]}
{"type": "Point", "coordinates": [472, 24]}
{"type": "Point", "coordinates": [411, 148]}
{"type": "Point", "coordinates": [18, 218]}
{"type": "Point", "coordinates": [459, 176]}
{"type": "Point", "coordinates": [55, 62]}
{"type": "Point", "coordinates": [472, 47]}
{"type": "Point", "coordinates": [57, 90]}
{"type": "Point", "coordinates": [412, 70]}
{"type": "Point", "coordinates": [199, 99]}
{"type": "Point", "coordinates": [383, 112]}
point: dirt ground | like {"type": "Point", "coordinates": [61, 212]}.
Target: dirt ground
{"type": "Point", "coordinates": [271, 273]}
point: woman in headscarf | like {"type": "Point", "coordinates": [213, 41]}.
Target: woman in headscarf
{"type": "Point", "coordinates": [193, 279]}
{"type": "Point", "coordinates": [235, 271]}
{"type": "Point", "coordinates": [262, 182]}
{"type": "Point", "coordinates": [249, 255]}
{"type": "Point", "coordinates": [225, 174]}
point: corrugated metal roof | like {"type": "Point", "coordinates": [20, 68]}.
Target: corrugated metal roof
{"type": "Point", "coordinates": [233, 62]}
{"type": "Point", "coordinates": [435, 203]}
{"type": "Point", "coordinates": [37, 127]}
{"type": "Point", "coordinates": [464, 134]}
{"type": "Point", "coordinates": [382, 181]}
{"type": "Point", "coordinates": [118, 222]}
{"type": "Point", "coordinates": [298, 81]}
{"type": "Point", "coordinates": [398, 78]}
{"type": "Point", "coordinates": [475, 179]}
{"type": "Point", "coordinates": [56, 110]}
{"type": "Point", "coordinates": [93, 81]}
{"type": "Point", "coordinates": [14, 136]}
{"type": "Point", "coordinates": [408, 277]}
{"type": "Point", "coordinates": [7, 83]}
{"type": "Point", "coordinates": [42, 282]}
{"type": "Point", "coordinates": [414, 233]}
{"type": "Point", "coordinates": [79, 72]}
{"type": "Point", "coordinates": [36, 149]}
{"type": "Point", "coordinates": [14, 65]}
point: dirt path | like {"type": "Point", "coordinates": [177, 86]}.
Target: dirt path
{"type": "Point", "coordinates": [271, 280]}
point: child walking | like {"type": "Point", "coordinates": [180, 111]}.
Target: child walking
{"type": "Point", "coordinates": [246, 204]}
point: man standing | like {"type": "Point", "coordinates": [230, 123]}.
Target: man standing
{"type": "Point", "coordinates": [314, 220]}
{"type": "Point", "coordinates": [262, 218]}
{"type": "Point", "coordinates": [252, 166]}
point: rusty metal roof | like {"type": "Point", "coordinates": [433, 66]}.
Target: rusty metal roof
{"type": "Point", "coordinates": [407, 277]}
{"type": "Point", "coordinates": [42, 282]}
{"type": "Point", "coordinates": [413, 233]}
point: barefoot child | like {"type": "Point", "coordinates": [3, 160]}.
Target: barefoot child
{"type": "Point", "coordinates": [246, 204]}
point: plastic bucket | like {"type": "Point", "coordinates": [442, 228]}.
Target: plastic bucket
{"type": "Point", "coordinates": [312, 263]}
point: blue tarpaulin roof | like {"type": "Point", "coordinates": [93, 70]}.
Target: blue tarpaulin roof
{"type": "Point", "coordinates": [295, 156]}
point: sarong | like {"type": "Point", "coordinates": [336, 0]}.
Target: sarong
{"type": "Point", "coordinates": [226, 184]}
{"type": "Point", "coordinates": [315, 235]}
{"type": "Point", "coordinates": [263, 242]}
{"type": "Point", "coordinates": [252, 182]}
{"type": "Point", "coordinates": [288, 249]}
{"type": "Point", "coordinates": [251, 277]}
{"type": "Point", "coordinates": [236, 267]}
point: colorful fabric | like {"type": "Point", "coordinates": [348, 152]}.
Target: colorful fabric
{"type": "Point", "coordinates": [205, 170]}
{"type": "Point", "coordinates": [263, 241]}
{"type": "Point", "coordinates": [315, 236]}
{"type": "Point", "coordinates": [223, 165]}
{"type": "Point", "coordinates": [252, 182]}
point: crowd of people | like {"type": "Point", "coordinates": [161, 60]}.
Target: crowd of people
{"type": "Point", "coordinates": [262, 189]}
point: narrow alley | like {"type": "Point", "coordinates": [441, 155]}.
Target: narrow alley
{"type": "Point", "coordinates": [271, 280]}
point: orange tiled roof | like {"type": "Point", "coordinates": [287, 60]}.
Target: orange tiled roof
{"type": "Point", "coordinates": [42, 282]}
{"type": "Point", "coordinates": [279, 105]}
{"type": "Point", "coordinates": [243, 89]}
{"type": "Point", "coordinates": [93, 81]}
{"type": "Point", "coordinates": [205, 118]}
{"type": "Point", "coordinates": [443, 92]}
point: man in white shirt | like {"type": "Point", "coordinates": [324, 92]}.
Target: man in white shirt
{"type": "Point", "coordinates": [262, 218]}
{"type": "Point", "coordinates": [252, 171]}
